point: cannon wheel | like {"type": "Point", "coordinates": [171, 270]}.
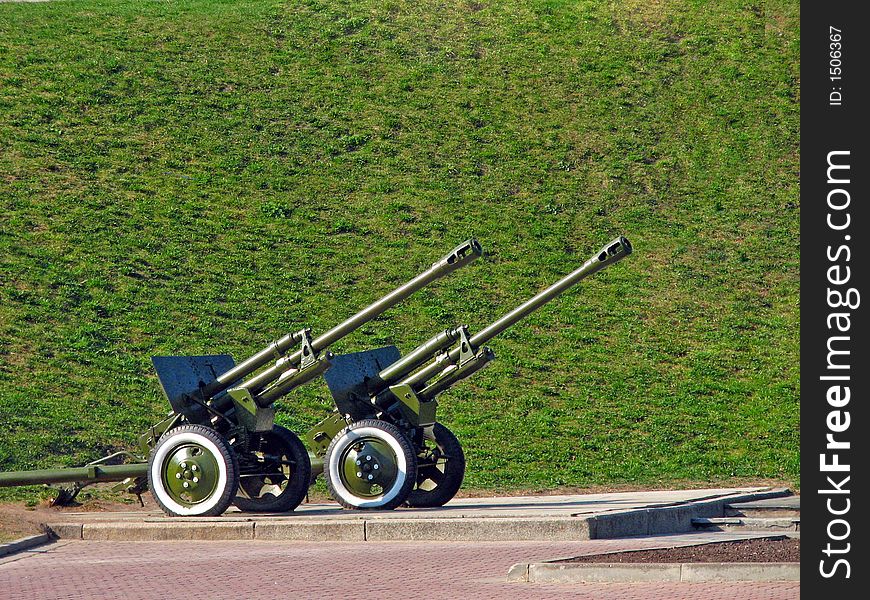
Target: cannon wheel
{"type": "Point", "coordinates": [440, 469]}
{"type": "Point", "coordinates": [278, 479]}
{"type": "Point", "coordinates": [193, 471]}
{"type": "Point", "coordinates": [370, 464]}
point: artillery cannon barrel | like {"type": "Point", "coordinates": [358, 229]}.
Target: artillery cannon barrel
{"type": "Point", "coordinates": [274, 350]}
{"type": "Point", "coordinates": [609, 254]}
{"type": "Point", "coordinates": [480, 360]}
{"type": "Point", "coordinates": [296, 378]}
{"type": "Point", "coordinates": [460, 256]}
{"type": "Point", "coordinates": [419, 355]}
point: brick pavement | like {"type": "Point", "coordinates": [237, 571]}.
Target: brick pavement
{"type": "Point", "coordinates": [217, 570]}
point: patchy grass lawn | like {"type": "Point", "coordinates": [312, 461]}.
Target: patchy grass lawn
{"type": "Point", "coordinates": [203, 176]}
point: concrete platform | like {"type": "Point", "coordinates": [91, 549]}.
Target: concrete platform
{"type": "Point", "coordinates": [788, 506]}
{"type": "Point", "coordinates": [519, 518]}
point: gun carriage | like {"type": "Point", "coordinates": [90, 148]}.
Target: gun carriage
{"type": "Point", "coordinates": [380, 448]}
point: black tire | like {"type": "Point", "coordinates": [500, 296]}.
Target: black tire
{"type": "Point", "coordinates": [200, 457]}
{"type": "Point", "coordinates": [440, 469]}
{"type": "Point", "coordinates": [276, 477]}
{"type": "Point", "coordinates": [370, 465]}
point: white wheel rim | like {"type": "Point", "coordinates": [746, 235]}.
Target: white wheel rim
{"type": "Point", "coordinates": [350, 437]}
{"type": "Point", "coordinates": [157, 474]}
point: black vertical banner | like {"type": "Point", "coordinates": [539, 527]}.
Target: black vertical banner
{"type": "Point", "coordinates": [835, 226]}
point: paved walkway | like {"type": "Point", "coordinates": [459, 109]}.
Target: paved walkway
{"type": "Point", "coordinates": [268, 570]}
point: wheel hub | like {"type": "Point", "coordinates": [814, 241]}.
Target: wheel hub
{"type": "Point", "coordinates": [191, 474]}
{"type": "Point", "coordinates": [369, 467]}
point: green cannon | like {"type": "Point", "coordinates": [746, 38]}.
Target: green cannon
{"type": "Point", "coordinates": [382, 446]}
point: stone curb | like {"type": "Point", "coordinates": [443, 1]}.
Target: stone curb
{"type": "Point", "coordinates": [658, 520]}
{"type": "Point", "coordinates": [652, 572]}
{"type": "Point", "coordinates": [372, 530]}
{"type": "Point", "coordinates": [25, 543]}
{"type": "Point", "coordinates": [676, 518]}
{"type": "Point", "coordinates": [150, 532]}
{"type": "Point", "coordinates": [472, 529]}
{"type": "Point", "coordinates": [311, 531]}
{"type": "Point", "coordinates": [785, 524]}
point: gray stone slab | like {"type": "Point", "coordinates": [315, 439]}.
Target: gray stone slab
{"type": "Point", "coordinates": [788, 506]}
{"type": "Point", "coordinates": [676, 519]}
{"type": "Point", "coordinates": [697, 572]}
{"type": "Point", "coordinates": [25, 543]}
{"type": "Point", "coordinates": [652, 572]}
{"type": "Point", "coordinates": [66, 531]}
{"type": "Point", "coordinates": [792, 502]}
{"type": "Point", "coordinates": [150, 532]}
{"type": "Point", "coordinates": [558, 518]}
{"type": "Point", "coordinates": [619, 524]}
{"type": "Point", "coordinates": [518, 573]}
{"type": "Point", "coordinates": [715, 521]}
{"type": "Point", "coordinates": [461, 508]}
{"type": "Point", "coordinates": [222, 519]}
{"type": "Point", "coordinates": [666, 518]}
{"type": "Point", "coordinates": [484, 530]}
{"type": "Point", "coordinates": [602, 573]}
{"type": "Point", "coordinates": [308, 531]}
{"type": "Point", "coordinates": [784, 524]}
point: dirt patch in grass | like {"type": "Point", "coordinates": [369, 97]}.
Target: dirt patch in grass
{"type": "Point", "coordinates": [756, 551]}
{"type": "Point", "coordinates": [18, 520]}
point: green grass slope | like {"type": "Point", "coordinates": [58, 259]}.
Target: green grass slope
{"type": "Point", "coordinates": [203, 176]}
